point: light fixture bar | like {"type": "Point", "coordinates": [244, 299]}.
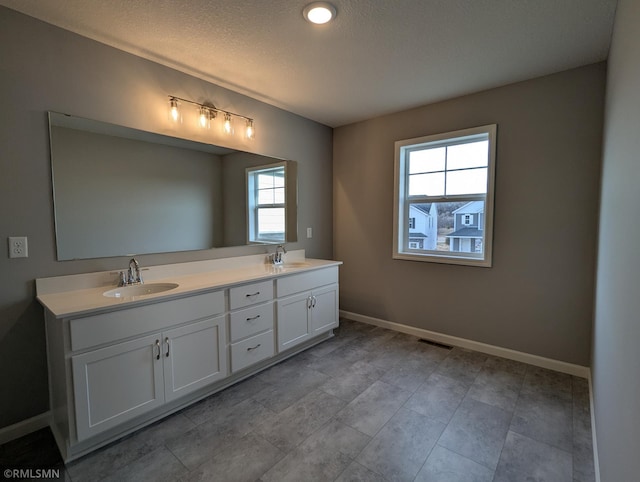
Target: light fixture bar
{"type": "Point", "coordinates": [210, 107]}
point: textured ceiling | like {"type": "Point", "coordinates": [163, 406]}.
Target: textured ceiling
{"type": "Point", "coordinates": [376, 57]}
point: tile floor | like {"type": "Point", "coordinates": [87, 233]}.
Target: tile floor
{"type": "Point", "coordinates": [368, 405]}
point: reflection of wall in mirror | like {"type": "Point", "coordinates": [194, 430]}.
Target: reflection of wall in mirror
{"type": "Point", "coordinates": [117, 196]}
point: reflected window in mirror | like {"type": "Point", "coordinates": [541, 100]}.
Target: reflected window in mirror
{"type": "Point", "coordinates": [266, 201]}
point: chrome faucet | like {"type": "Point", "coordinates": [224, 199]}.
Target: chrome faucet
{"type": "Point", "coordinates": [133, 274]}
{"type": "Point", "coordinates": [277, 256]}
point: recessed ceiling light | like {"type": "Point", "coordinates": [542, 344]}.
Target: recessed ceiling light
{"type": "Point", "coordinates": [319, 12]}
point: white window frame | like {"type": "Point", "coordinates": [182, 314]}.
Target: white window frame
{"type": "Point", "coordinates": [253, 233]}
{"type": "Point", "coordinates": [402, 199]}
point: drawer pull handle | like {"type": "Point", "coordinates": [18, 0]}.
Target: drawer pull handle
{"type": "Point", "coordinates": [166, 340]}
{"type": "Point", "coordinates": [158, 346]}
{"type": "Point", "coordinates": [253, 318]}
{"type": "Point", "coordinates": [249, 295]}
{"type": "Point", "coordinates": [253, 347]}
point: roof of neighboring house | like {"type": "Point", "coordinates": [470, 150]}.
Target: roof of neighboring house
{"type": "Point", "coordinates": [417, 235]}
{"type": "Point", "coordinates": [466, 233]}
{"type": "Point", "coordinates": [471, 208]}
{"type": "Point", "coordinates": [425, 207]}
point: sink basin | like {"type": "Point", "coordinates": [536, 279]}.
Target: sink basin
{"type": "Point", "coordinates": [139, 290]}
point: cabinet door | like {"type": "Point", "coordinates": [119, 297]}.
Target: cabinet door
{"type": "Point", "coordinates": [117, 383]}
{"type": "Point", "coordinates": [324, 312]}
{"type": "Point", "coordinates": [293, 320]}
{"type": "Point", "coordinates": [194, 356]}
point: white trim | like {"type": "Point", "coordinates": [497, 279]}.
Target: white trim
{"type": "Point", "coordinates": [20, 429]}
{"type": "Point", "coordinates": [401, 199]}
{"type": "Point", "coordinates": [596, 461]}
{"type": "Point", "coordinates": [539, 361]}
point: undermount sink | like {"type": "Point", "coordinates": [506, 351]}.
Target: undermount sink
{"type": "Point", "coordinates": [139, 290]}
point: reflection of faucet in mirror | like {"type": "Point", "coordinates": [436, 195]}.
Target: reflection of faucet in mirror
{"type": "Point", "coordinates": [134, 276]}
{"type": "Point", "coordinates": [276, 258]}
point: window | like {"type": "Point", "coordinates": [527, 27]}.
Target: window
{"type": "Point", "coordinates": [266, 204]}
{"type": "Point", "coordinates": [448, 177]}
{"type": "Point", "coordinates": [412, 223]}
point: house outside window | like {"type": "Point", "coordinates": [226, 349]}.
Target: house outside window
{"type": "Point", "coordinates": [444, 184]}
{"type": "Point", "coordinates": [266, 204]}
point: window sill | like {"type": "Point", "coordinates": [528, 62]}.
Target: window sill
{"type": "Point", "coordinates": [444, 259]}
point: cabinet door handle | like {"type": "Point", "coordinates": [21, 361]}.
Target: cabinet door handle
{"type": "Point", "coordinates": [249, 295]}
{"type": "Point", "coordinates": [251, 348]}
{"type": "Point", "coordinates": [166, 340]}
{"type": "Point", "coordinates": [253, 318]}
{"type": "Point", "coordinates": [314, 299]}
{"type": "Point", "coordinates": [159, 350]}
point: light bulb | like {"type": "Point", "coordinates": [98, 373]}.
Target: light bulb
{"type": "Point", "coordinates": [174, 111]}
{"type": "Point", "coordinates": [204, 120]}
{"type": "Point", "coordinates": [251, 130]}
{"type": "Point", "coordinates": [227, 126]}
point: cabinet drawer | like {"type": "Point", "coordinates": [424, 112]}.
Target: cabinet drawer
{"type": "Point", "coordinates": [250, 321]}
{"type": "Point", "coordinates": [116, 325]}
{"type": "Point", "coordinates": [296, 283]}
{"type": "Point", "coordinates": [250, 294]}
{"type": "Point", "coordinates": [252, 350]}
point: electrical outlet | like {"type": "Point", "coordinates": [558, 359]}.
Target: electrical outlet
{"type": "Point", "coordinates": [309, 233]}
{"type": "Point", "coordinates": [18, 247]}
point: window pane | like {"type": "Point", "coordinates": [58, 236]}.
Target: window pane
{"type": "Point", "coordinates": [426, 184]}
{"type": "Point", "coordinates": [426, 160]}
{"type": "Point", "coordinates": [473, 154]}
{"type": "Point", "coordinates": [271, 223]}
{"type": "Point", "coordinates": [471, 181]}
{"type": "Point", "coordinates": [278, 178]}
{"type": "Point", "coordinates": [278, 195]}
{"type": "Point", "coordinates": [265, 180]}
{"type": "Point", "coordinates": [265, 196]}
{"type": "Point", "coordinates": [439, 227]}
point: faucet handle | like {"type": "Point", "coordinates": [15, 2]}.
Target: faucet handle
{"type": "Point", "coordinates": [122, 279]}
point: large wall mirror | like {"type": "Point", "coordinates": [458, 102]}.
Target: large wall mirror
{"type": "Point", "coordinates": [120, 191]}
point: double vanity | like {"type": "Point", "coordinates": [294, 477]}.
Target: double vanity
{"type": "Point", "coordinates": [123, 357]}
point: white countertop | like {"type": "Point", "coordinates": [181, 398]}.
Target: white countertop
{"type": "Point", "coordinates": [80, 302]}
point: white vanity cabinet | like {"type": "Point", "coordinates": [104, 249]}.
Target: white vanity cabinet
{"type": "Point", "coordinates": [194, 356]}
{"type": "Point", "coordinates": [251, 324]}
{"type": "Point", "coordinates": [125, 379]}
{"type": "Point", "coordinates": [116, 383]}
{"type": "Point", "coordinates": [307, 306]}
{"type": "Point", "coordinates": [116, 365]}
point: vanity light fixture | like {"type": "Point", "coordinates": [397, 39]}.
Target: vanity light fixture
{"type": "Point", "coordinates": [206, 115]}
{"type": "Point", "coordinates": [250, 130]}
{"type": "Point", "coordinates": [319, 12]}
{"type": "Point", "coordinates": [227, 125]}
{"type": "Point", "coordinates": [208, 112]}
{"type": "Point", "coordinates": [174, 110]}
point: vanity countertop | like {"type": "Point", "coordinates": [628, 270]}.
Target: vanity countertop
{"type": "Point", "coordinates": [82, 302]}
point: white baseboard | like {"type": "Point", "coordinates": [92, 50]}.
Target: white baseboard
{"type": "Point", "coordinates": [535, 360]}
{"type": "Point", "coordinates": [20, 429]}
{"type": "Point", "coordinates": [596, 462]}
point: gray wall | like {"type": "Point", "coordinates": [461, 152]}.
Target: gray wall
{"type": "Point", "coordinates": [45, 68]}
{"type": "Point", "coordinates": [616, 355]}
{"type": "Point", "coordinates": [117, 196]}
{"type": "Point", "coordinates": [538, 296]}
